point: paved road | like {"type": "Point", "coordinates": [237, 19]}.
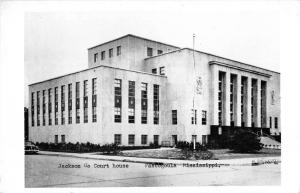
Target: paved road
{"type": "Point", "coordinates": [45, 171]}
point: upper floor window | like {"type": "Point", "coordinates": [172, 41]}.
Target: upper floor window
{"type": "Point", "coordinates": [111, 52]}
{"type": "Point", "coordinates": [162, 70]}
{"type": "Point", "coordinates": [154, 71]}
{"type": "Point", "coordinates": [174, 117]}
{"type": "Point", "coordinates": [149, 51]}
{"type": "Point", "coordinates": [159, 52]}
{"type": "Point", "coordinates": [204, 117]}
{"type": "Point", "coordinates": [95, 57]}
{"type": "Point", "coordinates": [118, 50]}
{"type": "Point", "coordinates": [276, 123]}
{"type": "Point", "coordinates": [102, 55]}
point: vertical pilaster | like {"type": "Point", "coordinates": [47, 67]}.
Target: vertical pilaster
{"type": "Point", "coordinates": [248, 114]}
{"type": "Point", "coordinates": [227, 99]}
{"type": "Point", "coordinates": [215, 78]}
{"type": "Point", "coordinates": [258, 104]}
{"type": "Point", "coordinates": [238, 101]}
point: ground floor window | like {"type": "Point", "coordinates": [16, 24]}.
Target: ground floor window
{"type": "Point", "coordinates": [55, 138]}
{"type": "Point", "coordinates": [131, 139]}
{"type": "Point", "coordinates": [144, 139]}
{"type": "Point", "coordinates": [155, 139]}
{"type": "Point", "coordinates": [118, 139]}
{"type": "Point", "coordinates": [63, 139]}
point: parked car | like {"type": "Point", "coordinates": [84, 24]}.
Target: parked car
{"type": "Point", "coordinates": [30, 148]}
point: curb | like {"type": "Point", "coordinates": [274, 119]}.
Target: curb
{"type": "Point", "coordinates": [246, 161]}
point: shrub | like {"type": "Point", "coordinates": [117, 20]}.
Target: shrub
{"type": "Point", "coordinates": [190, 146]}
{"type": "Point", "coordinates": [244, 142]}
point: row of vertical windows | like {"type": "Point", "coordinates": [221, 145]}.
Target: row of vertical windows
{"type": "Point", "coordinates": [110, 54]}
{"type": "Point", "coordinates": [161, 70]}
{"type": "Point", "coordinates": [155, 104]}
{"type": "Point", "coordinates": [63, 104]}
{"type": "Point", "coordinates": [131, 139]}
{"type": "Point", "coordinates": [131, 102]}
{"type": "Point", "coordinates": [144, 102]}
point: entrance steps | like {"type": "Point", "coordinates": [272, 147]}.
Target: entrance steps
{"type": "Point", "coordinates": [270, 143]}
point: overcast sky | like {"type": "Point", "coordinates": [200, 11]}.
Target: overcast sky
{"type": "Point", "coordinates": [56, 42]}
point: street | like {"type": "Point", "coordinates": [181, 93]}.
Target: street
{"type": "Point", "coordinates": [56, 171]}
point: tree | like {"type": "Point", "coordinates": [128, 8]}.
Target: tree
{"type": "Point", "coordinates": [245, 142]}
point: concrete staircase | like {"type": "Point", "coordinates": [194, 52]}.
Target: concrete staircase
{"type": "Point", "coordinates": [270, 143]}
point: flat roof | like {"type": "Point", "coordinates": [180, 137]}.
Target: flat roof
{"type": "Point", "coordinates": [130, 35]}
{"type": "Point", "coordinates": [105, 66]}
{"type": "Point", "coordinates": [171, 52]}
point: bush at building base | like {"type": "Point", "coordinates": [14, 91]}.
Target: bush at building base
{"type": "Point", "coordinates": [244, 142]}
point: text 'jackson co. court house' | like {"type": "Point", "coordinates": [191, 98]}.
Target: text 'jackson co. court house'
{"type": "Point", "coordinates": [137, 91]}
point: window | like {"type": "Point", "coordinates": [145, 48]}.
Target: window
{"type": "Point", "coordinates": [63, 139]}
{"type": "Point", "coordinates": [131, 139]}
{"type": "Point", "coordinates": [276, 123]}
{"type": "Point", "coordinates": [162, 70]}
{"type": "Point", "coordinates": [50, 106]}
{"type": "Point", "coordinates": [156, 139]}
{"type": "Point", "coordinates": [149, 51]}
{"type": "Point", "coordinates": [94, 99]}
{"type": "Point", "coordinates": [56, 105]}
{"type": "Point", "coordinates": [102, 55]}
{"type": "Point", "coordinates": [55, 138]}
{"type": "Point", "coordinates": [62, 105]}
{"type": "Point", "coordinates": [131, 102]}
{"type": "Point", "coordinates": [85, 101]}
{"type": "Point", "coordinates": [70, 103]}
{"type": "Point", "coordinates": [77, 93]}
{"type": "Point", "coordinates": [194, 117]}
{"type": "Point", "coordinates": [118, 50]}
{"type": "Point", "coordinates": [111, 52]}
{"type": "Point", "coordinates": [204, 117]}
{"type": "Point", "coordinates": [155, 104]}
{"type": "Point", "coordinates": [270, 122]}
{"type": "Point", "coordinates": [154, 71]}
{"type": "Point", "coordinates": [118, 139]}
{"type": "Point", "coordinates": [144, 139]}
{"type": "Point", "coordinates": [44, 108]}
{"type": "Point", "coordinates": [95, 57]}
{"type": "Point", "coordinates": [174, 117]}
{"type": "Point", "coordinates": [159, 52]}
{"type": "Point", "coordinates": [144, 102]}
{"type": "Point", "coordinates": [32, 109]}
{"type": "Point", "coordinates": [118, 100]}
{"type": "Point", "coordinates": [38, 107]}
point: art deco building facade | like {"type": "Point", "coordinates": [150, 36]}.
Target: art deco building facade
{"type": "Point", "coordinates": [137, 91]}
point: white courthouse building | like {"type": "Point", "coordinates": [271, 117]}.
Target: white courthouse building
{"type": "Point", "coordinates": [137, 91]}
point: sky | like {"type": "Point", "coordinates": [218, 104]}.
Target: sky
{"type": "Point", "coordinates": [56, 42]}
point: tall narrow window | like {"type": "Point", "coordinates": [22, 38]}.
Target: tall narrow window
{"type": "Point", "coordinates": [131, 139]}
{"type": "Point", "coordinates": [77, 93]}
{"type": "Point", "coordinates": [56, 139]}
{"type": "Point", "coordinates": [162, 70]}
{"type": "Point", "coordinates": [70, 103]}
{"type": "Point", "coordinates": [220, 97]}
{"type": "Point", "coordinates": [118, 50]}
{"type": "Point", "coordinates": [118, 100]}
{"type": "Point", "coordinates": [194, 117]}
{"type": "Point", "coordinates": [111, 52]}
{"type": "Point", "coordinates": [244, 105]}
{"type": "Point", "coordinates": [174, 117]}
{"type": "Point", "coordinates": [56, 105]}
{"type": "Point", "coordinates": [63, 139]}
{"type": "Point", "coordinates": [32, 109]}
{"type": "Point", "coordinates": [149, 51]}
{"type": "Point", "coordinates": [144, 102]}
{"type": "Point", "coordinates": [156, 139]}
{"type": "Point", "coordinates": [204, 117]}
{"type": "Point", "coordinates": [144, 139]}
{"type": "Point", "coordinates": [131, 102]}
{"type": "Point", "coordinates": [44, 107]}
{"type": "Point", "coordinates": [270, 122]}
{"type": "Point", "coordinates": [38, 108]}
{"type": "Point", "coordinates": [253, 102]}
{"type": "Point", "coordinates": [63, 104]}
{"type": "Point", "coordinates": [102, 55]}
{"type": "Point", "coordinates": [233, 79]}
{"type": "Point", "coordinates": [85, 101]}
{"type": "Point", "coordinates": [263, 105]}
{"type": "Point", "coordinates": [95, 57]}
{"type": "Point", "coordinates": [118, 139]}
{"type": "Point", "coordinates": [276, 123]}
{"type": "Point", "coordinates": [155, 104]}
{"type": "Point", "coordinates": [50, 106]}
{"type": "Point", "coordinates": [94, 99]}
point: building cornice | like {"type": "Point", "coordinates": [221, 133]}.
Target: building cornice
{"type": "Point", "coordinates": [239, 68]}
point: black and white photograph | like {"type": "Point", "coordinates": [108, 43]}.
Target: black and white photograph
{"type": "Point", "coordinates": [151, 94]}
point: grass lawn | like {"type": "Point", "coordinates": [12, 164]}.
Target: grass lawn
{"type": "Point", "coordinates": [167, 153]}
{"type": "Point", "coordinates": [218, 154]}
{"type": "Point", "coordinates": [228, 154]}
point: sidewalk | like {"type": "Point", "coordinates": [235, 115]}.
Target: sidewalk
{"type": "Point", "coordinates": [231, 162]}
